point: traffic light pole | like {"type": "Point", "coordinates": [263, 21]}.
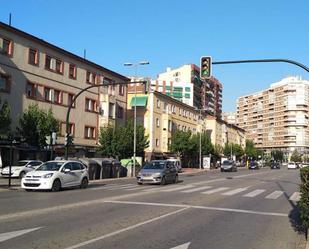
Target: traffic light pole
{"type": "Point", "coordinates": [263, 60]}
{"type": "Point", "coordinates": [74, 99]}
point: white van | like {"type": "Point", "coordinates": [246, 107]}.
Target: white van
{"type": "Point", "coordinates": [177, 163]}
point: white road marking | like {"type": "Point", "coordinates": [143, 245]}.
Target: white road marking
{"type": "Point", "coordinates": [295, 196]}
{"type": "Point", "coordinates": [274, 195]}
{"type": "Point", "coordinates": [235, 191]}
{"type": "Point", "coordinates": [183, 246]}
{"type": "Point", "coordinates": [126, 229]}
{"type": "Point", "coordinates": [115, 186]}
{"type": "Point", "coordinates": [152, 189]}
{"type": "Point", "coordinates": [254, 193]}
{"type": "Point", "coordinates": [214, 190]}
{"type": "Point", "coordinates": [196, 189]}
{"type": "Point", "coordinates": [11, 235]}
{"type": "Point", "coordinates": [177, 188]}
{"type": "Point", "coordinates": [199, 207]}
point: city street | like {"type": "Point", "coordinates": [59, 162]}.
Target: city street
{"type": "Point", "coordinates": [245, 209]}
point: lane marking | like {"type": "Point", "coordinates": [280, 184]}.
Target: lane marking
{"type": "Point", "coordinates": [295, 196]}
{"type": "Point", "coordinates": [183, 246]}
{"type": "Point", "coordinates": [136, 188]}
{"type": "Point", "coordinates": [11, 235]}
{"type": "Point", "coordinates": [235, 191]}
{"type": "Point", "coordinates": [214, 190]}
{"type": "Point", "coordinates": [274, 195]}
{"type": "Point", "coordinates": [196, 189]}
{"type": "Point", "coordinates": [254, 193]}
{"type": "Point", "coordinates": [177, 188]}
{"type": "Point", "coordinates": [126, 229]}
{"type": "Point", "coordinates": [200, 207]}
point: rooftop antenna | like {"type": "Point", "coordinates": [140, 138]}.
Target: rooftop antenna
{"type": "Point", "coordinates": [10, 19]}
{"type": "Point", "coordinates": [85, 54]}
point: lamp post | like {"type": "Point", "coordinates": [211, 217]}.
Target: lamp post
{"type": "Point", "coordinates": [135, 65]}
{"type": "Point", "coordinates": [200, 139]}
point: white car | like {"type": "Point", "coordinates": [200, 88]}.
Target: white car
{"type": "Point", "coordinates": [55, 175]}
{"type": "Point", "coordinates": [177, 163]}
{"type": "Point", "coordinates": [292, 165]}
{"type": "Point", "coordinates": [21, 168]}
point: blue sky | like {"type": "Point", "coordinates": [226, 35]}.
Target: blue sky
{"type": "Point", "coordinates": [170, 33]}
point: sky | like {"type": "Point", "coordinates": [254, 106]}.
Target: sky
{"type": "Point", "coordinates": [170, 33]}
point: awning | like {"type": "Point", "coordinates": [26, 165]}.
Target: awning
{"type": "Point", "coordinates": [139, 101]}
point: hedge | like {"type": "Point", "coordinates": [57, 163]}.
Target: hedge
{"type": "Point", "coordinates": [304, 197]}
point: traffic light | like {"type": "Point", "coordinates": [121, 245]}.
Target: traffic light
{"type": "Point", "coordinates": [205, 67]}
{"type": "Point", "coordinates": [68, 139]}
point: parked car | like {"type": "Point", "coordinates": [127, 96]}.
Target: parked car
{"type": "Point", "coordinates": [275, 165]}
{"type": "Point", "coordinates": [21, 168]}
{"type": "Point", "coordinates": [158, 171]}
{"type": "Point", "coordinates": [55, 175]}
{"type": "Point", "coordinates": [305, 165]}
{"type": "Point", "coordinates": [253, 165]}
{"type": "Point", "coordinates": [292, 165]}
{"type": "Point", "coordinates": [228, 165]}
{"type": "Point", "coordinates": [177, 163]}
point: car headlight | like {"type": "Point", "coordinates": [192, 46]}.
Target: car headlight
{"type": "Point", "coordinates": [49, 175]}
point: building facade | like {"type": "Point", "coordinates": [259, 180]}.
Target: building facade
{"type": "Point", "coordinates": [161, 115]}
{"type": "Point", "coordinates": [33, 71]}
{"type": "Point", "coordinates": [184, 84]}
{"type": "Point", "coordinates": [277, 118]}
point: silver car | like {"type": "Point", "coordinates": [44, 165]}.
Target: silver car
{"type": "Point", "coordinates": [158, 171]}
{"type": "Point", "coordinates": [228, 165]}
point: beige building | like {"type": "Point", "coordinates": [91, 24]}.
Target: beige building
{"type": "Point", "coordinates": [161, 115]}
{"type": "Point", "coordinates": [221, 132]}
{"type": "Point", "coordinates": [34, 71]}
{"type": "Point", "coordinates": [277, 118]}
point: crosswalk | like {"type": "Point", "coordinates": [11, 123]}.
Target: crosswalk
{"type": "Point", "coordinates": [246, 191]}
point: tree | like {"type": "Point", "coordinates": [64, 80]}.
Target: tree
{"type": "Point", "coordinates": [118, 141]}
{"type": "Point", "coordinates": [5, 119]}
{"type": "Point", "coordinates": [218, 150]}
{"type": "Point", "coordinates": [296, 156]}
{"type": "Point", "coordinates": [250, 149]}
{"type": "Point", "coordinates": [36, 124]}
{"type": "Point", "coordinates": [180, 142]}
{"type": "Point", "coordinates": [277, 155]}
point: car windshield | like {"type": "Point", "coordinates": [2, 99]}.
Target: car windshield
{"type": "Point", "coordinates": [21, 163]}
{"type": "Point", "coordinates": [50, 166]}
{"type": "Point", "coordinates": [154, 165]}
{"type": "Point", "coordinates": [226, 163]}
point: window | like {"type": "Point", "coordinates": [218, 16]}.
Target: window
{"type": "Point", "coordinates": [158, 103]}
{"type": "Point", "coordinates": [157, 122]}
{"type": "Point", "coordinates": [57, 97]}
{"type": "Point", "coordinates": [121, 90]}
{"type": "Point", "coordinates": [111, 90]}
{"type": "Point", "coordinates": [70, 99]}
{"type": "Point", "coordinates": [76, 166]}
{"type": "Point", "coordinates": [5, 83]}
{"type": "Point", "coordinates": [91, 105]}
{"type": "Point", "coordinates": [170, 125]}
{"type": "Point", "coordinates": [90, 77]}
{"type": "Point", "coordinates": [157, 142]}
{"type": "Point", "coordinates": [7, 47]}
{"type": "Point", "coordinates": [53, 64]}
{"type": "Point", "coordinates": [31, 90]}
{"type": "Point", "coordinates": [90, 132]}
{"type": "Point", "coordinates": [111, 110]}
{"type": "Point", "coordinates": [33, 57]}
{"type": "Point", "coordinates": [72, 71]}
{"type": "Point", "coordinates": [47, 94]}
{"type": "Point", "coordinates": [63, 128]}
{"type": "Point", "coordinates": [120, 112]}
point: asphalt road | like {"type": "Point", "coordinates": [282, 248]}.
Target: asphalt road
{"type": "Point", "coordinates": [245, 209]}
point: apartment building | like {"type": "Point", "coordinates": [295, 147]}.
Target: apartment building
{"type": "Point", "coordinates": [222, 132]}
{"type": "Point", "coordinates": [229, 117]}
{"type": "Point", "coordinates": [33, 71]}
{"type": "Point", "coordinates": [277, 118]}
{"type": "Point", "coordinates": [184, 84]}
{"type": "Point", "coordinates": [161, 115]}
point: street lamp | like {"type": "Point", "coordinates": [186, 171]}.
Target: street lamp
{"type": "Point", "coordinates": [135, 65]}
{"type": "Point", "coordinates": [200, 154]}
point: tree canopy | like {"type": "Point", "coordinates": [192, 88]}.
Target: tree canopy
{"type": "Point", "coordinates": [5, 119]}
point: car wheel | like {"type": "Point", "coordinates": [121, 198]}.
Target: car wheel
{"type": "Point", "coordinates": [22, 174]}
{"type": "Point", "coordinates": [84, 183]}
{"type": "Point", "coordinates": [176, 179]}
{"type": "Point", "coordinates": [139, 183]}
{"type": "Point", "coordinates": [163, 181]}
{"type": "Point", "coordinates": [56, 186]}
